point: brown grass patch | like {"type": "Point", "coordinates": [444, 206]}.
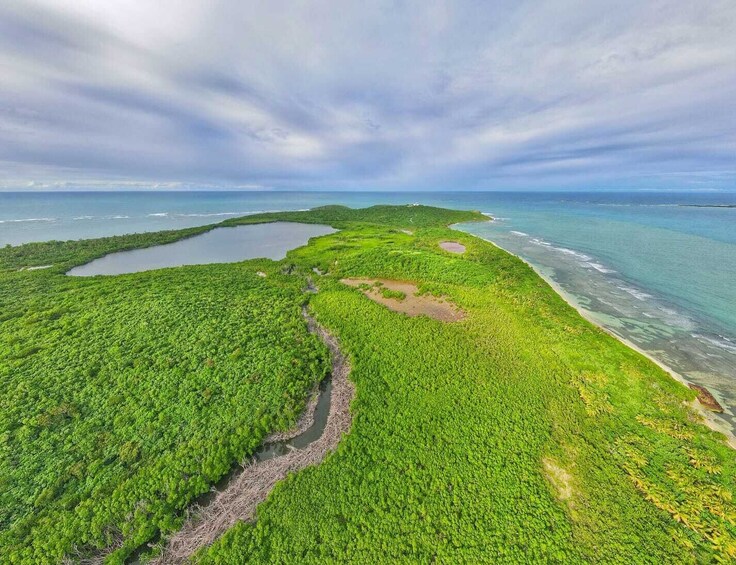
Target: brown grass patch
{"type": "Point", "coordinates": [452, 246]}
{"type": "Point", "coordinates": [411, 305]}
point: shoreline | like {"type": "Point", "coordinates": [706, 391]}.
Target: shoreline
{"type": "Point", "coordinates": [710, 419]}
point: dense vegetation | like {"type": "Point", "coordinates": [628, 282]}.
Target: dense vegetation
{"type": "Point", "coordinates": [125, 397]}
{"type": "Point", "coordinates": [521, 433]}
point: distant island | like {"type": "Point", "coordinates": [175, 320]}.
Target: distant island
{"type": "Point", "coordinates": [396, 390]}
{"type": "Point", "coordinates": [707, 205]}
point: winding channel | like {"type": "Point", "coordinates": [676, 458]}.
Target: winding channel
{"type": "Point", "coordinates": [317, 433]}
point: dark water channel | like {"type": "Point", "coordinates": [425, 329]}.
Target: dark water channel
{"type": "Point", "coordinates": [266, 451]}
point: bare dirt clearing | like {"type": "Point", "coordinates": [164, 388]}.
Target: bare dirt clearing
{"type": "Point", "coordinates": [452, 246]}
{"type": "Point", "coordinates": [381, 291]}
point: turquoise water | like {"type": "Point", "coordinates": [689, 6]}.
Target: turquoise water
{"type": "Point", "coordinates": [658, 269]}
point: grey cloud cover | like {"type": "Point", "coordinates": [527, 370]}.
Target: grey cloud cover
{"type": "Point", "coordinates": [368, 95]}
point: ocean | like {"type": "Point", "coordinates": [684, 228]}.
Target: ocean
{"type": "Point", "coordinates": [656, 268]}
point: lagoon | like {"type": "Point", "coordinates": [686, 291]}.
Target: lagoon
{"type": "Point", "coordinates": [220, 245]}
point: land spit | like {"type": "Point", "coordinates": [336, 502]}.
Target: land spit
{"type": "Point", "coordinates": [238, 501]}
{"type": "Point", "coordinates": [410, 304]}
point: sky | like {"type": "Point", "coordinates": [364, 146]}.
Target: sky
{"type": "Point", "coordinates": [381, 95]}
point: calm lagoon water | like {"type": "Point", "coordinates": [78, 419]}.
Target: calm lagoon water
{"type": "Point", "coordinates": [657, 268]}
{"type": "Point", "coordinates": [221, 245]}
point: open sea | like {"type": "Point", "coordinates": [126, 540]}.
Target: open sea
{"type": "Point", "coordinates": [655, 268]}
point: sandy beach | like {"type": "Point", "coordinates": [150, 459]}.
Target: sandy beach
{"type": "Point", "coordinates": [710, 419]}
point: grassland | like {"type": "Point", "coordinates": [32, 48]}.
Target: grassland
{"type": "Point", "coordinates": [519, 433]}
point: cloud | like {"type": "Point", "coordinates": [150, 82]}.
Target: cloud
{"type": "Point", "coordinates": [381, 95]}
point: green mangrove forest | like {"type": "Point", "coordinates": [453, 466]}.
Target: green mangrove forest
{"type": "Point", "coordinates": [519, 433]}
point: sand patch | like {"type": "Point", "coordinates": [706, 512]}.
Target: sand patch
{"type": "Point", "coordinates": [402, 297]}
{"type": "Point", "coordinates": [561, 480]}
{"type": "Point", "coordinates": [452, 246]}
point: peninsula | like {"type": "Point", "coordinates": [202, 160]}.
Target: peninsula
{"type": "Point", "coordinates": [487, 419]}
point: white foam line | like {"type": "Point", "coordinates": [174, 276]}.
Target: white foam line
{"type": "Point", "coordinates": [28, 220]}
{"type": "Point", "coordinates": [573, 253]}
{"type": "Point", "coordinates": [213, 214]}
{"type": "Point", "coordinates": [721, 342]}
{"type": "Point", "coordinates": [600, 268]}
{"type": "Point", "coordinates": [635, 293]}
